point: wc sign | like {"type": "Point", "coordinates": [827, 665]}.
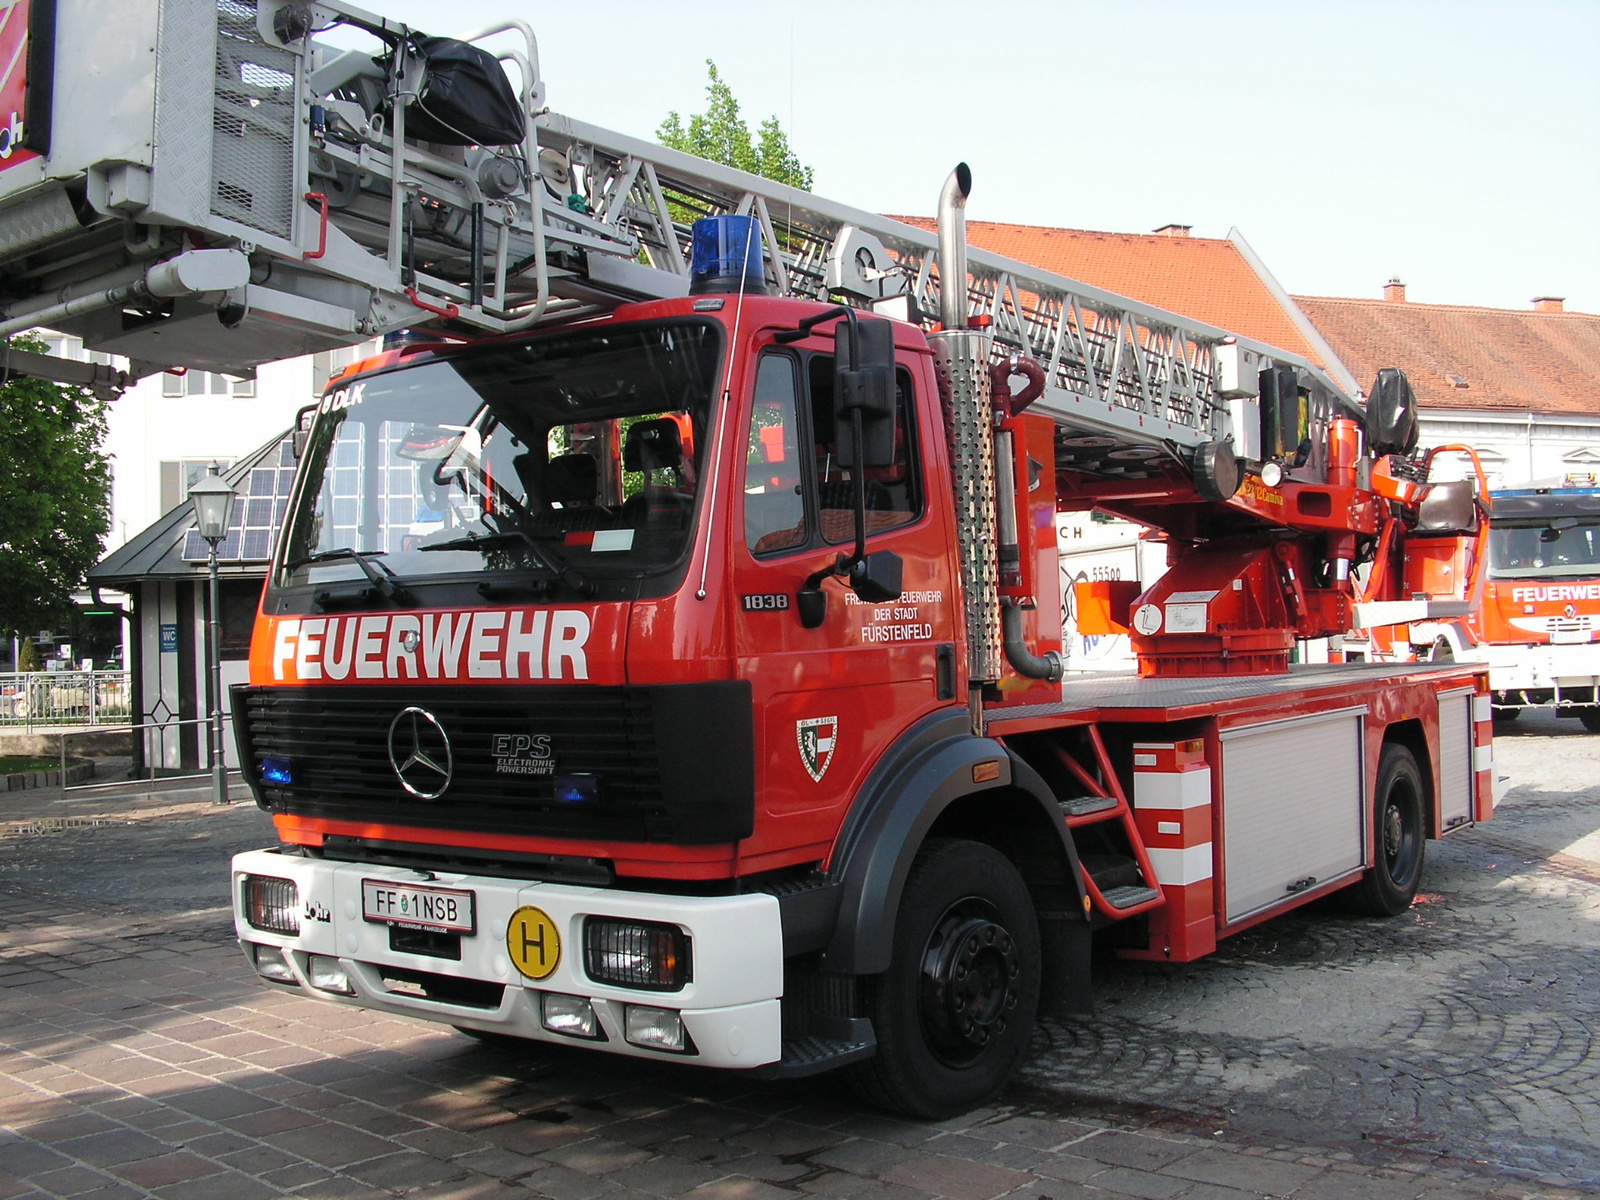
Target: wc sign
{"type": "Point", "coordinates": [27, 58]}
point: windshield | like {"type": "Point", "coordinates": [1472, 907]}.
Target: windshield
{"type": "Point", "coordinates": [1541, 548]}
{"type": "Point", "coordinates": [573, 456]}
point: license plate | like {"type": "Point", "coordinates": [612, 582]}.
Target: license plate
{"type": "Point", "coordinates": [450, 910]}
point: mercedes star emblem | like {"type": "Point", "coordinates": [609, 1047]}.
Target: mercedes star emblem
{"type": "Point", "coordinates": [419, 752]}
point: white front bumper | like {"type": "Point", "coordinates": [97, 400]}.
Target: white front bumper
{"type": "Point", "coordinates": [1540, 666]}
{"type": "Point", "coordinates": [730, 1007]}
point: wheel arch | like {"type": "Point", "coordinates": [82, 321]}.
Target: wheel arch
{"type": "Point", "coordinates": [1411, 735]}
{"type": "Point", "coordinates": [925, 787]}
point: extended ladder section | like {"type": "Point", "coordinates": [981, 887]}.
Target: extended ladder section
{"type": "Point", "coordinates": [315, 195]}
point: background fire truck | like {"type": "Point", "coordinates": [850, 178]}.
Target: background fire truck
{"type": "Point", "coordinates": [667, 656]}
{"type": "Point", "coordinates": [1537, 626]}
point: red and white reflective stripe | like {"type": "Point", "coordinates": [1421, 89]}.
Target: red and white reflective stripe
{"type": "Point", "coordinates": [1483, 755]}
{"type": "Point", "coordinates": [1172, 811]}
{"type": "Point", "coordinates": [1172, 808]}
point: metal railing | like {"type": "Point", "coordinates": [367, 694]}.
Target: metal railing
{"type": "Point", "coordinates": [156, 744]}
{"type": "Point", "coordinates": [31, 699]}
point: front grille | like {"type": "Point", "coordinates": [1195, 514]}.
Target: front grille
{"type": "Point", "coordinates": [674, 763]}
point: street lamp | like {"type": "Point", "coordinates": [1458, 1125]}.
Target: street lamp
{"type": "Point", "coordinates": [213, 510]}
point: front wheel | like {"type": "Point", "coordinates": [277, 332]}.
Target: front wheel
{"type": "Point", "coordinates": [954, 1012]}
{"type": "Point", "coordinates": [1390, 884]}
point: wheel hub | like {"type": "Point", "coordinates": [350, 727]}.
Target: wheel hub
{"type": "Point", "coordinates": [970, 969]}
{"type": "Point", "coordinates": [1393, 832]}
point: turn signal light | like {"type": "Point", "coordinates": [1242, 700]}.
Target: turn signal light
{"type": "Point", "coordinates": [636, 954]}
{"type": "Point", "coordinates": [272, 905]}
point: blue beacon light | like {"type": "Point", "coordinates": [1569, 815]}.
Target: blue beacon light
{"type": "Point", "coordinates": [727, 257]}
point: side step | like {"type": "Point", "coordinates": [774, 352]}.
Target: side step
{"type": "Point", "coordinates": [1129, 897]}
{"type": "Point", "coordinates": [1084, 806]}
{"type": "Point", "coordinates": [813, 1055]}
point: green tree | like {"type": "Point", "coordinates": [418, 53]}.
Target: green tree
{"type": "Point", "coordinates": [55, 487]}
{"type": "Point", "coordinates": [722, 135]}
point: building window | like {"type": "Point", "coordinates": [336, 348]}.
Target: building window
{"type": "Point", "coordinates": [177, 477]}
{"type": "Point", "coordinates": [205, 383]}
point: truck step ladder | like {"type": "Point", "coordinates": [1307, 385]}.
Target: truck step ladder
{"type": "Point", "coordinates": [1104, 802]}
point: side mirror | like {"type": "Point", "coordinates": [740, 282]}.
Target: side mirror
{"type": "Point", "coordinates": [1392, 414]}
{"type": "Point", "coordinates": [876, 578]}
{"type": "Point", "coordinates": [302, 430]}
{"type": "Point", "coordinates": [869, 390]}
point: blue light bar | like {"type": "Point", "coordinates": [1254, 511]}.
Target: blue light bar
{"type": "Point", "coordinates": [277, 770]}
{"type": "Point", "coordinates": [727, 256]}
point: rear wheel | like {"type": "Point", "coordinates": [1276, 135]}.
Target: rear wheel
{"type": "Point", "coordinates": [954, 1012]}
{"type": "Point", "coordinates": [1390, 885]}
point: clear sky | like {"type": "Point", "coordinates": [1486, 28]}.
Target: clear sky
{"type": "Point", "coordinates": [1456, 145]}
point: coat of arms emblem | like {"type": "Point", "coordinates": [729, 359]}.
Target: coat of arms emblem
{"type": "Point", "coordinates": [816, 736]}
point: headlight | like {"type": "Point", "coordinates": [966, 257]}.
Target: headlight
{"type": "Point", "coordinates": [327, 975]}
{"type": "Point", "coordinates": [270, 963]}
{"type": "Point", "coordinates": [656, 1029]}
{"type": "Point", "coordinates": [272, 905]}
{"type": "Point", "coordinates": [573, 1016]}
{"type": "Point", "coordinates": [636, 954]}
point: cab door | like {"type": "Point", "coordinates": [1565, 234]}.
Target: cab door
{"type": "Point", "coordinates": [831, 699]}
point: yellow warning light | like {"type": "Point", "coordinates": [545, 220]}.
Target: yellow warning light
{"type": "Point", "coordinates": [986, 772]}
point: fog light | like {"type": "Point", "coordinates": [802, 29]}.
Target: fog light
{"type": "Point", "coordinates": [326, 975]}
{"type": "Point", "coordinates": [271, 904]}
{"type": "Point", "coordinates": [573, 1016]}
{"type": "Point", "coordinates": [636, 954]}
{"type": "Point", "coordinates": [656, 1029]}
{"type": "Point", "coordinates": [270, 964]}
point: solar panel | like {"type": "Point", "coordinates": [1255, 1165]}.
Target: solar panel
{"type": "Point", "coordinates": [257, 514]}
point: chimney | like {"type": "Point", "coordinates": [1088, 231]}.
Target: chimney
{"type": "Point", "coordinates": [1394, 292]}
{"type": "Point", "coordinates": [1549, 304]}
{"type": "Point", "coordinates": [1174, 230]}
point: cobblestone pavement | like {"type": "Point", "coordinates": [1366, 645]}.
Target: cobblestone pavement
{"type": "Point", "coordinates": [1444, 1055]}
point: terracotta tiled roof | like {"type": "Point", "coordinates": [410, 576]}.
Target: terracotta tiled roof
{"type": "Point", "coordinates": [1208, 279]}
{"type": "Point", "coordinates": [1508, 359]}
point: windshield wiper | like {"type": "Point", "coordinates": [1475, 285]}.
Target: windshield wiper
{"type": "Point", "coordinates": [384, 581]}
{"type": "Point", "coordinates": [554, 564]}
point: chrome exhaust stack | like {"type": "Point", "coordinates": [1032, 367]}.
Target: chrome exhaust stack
{"type": "Point", "coordinates": [953, 248]}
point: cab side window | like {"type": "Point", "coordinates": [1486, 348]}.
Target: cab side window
{"type": "Point", "coordinates": [893, 495]}
{"type": "Point", "coordinates": [774, 507]}
{"type": "Point", "coordinates": [795, 492]}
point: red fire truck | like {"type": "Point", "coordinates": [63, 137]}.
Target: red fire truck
{"type": "Point", "coordinates": [685, 681]}
{"type": "Point", "coordinates": [1537, 625]}
{"type": "Point", "coordinates": [665, 657]}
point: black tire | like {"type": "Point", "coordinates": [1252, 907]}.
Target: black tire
{"type": "Point", "coordinates": [1400, 836]}
{"type": "Point", "coordinates": [1590, 718]}
{"type": "Point", "coordinates": [1504, 716]}
{"type": "Point", "coordinates": [955, 1010]}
